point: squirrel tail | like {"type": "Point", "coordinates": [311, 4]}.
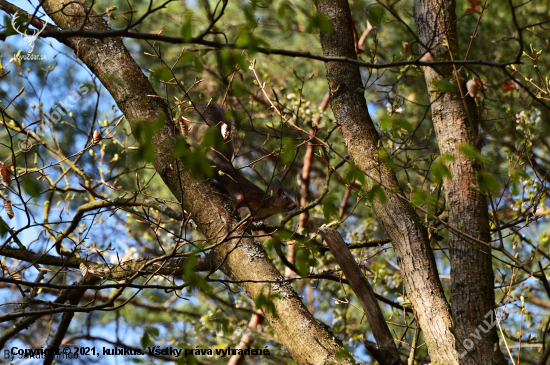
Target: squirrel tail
{"type": "Point", "coordinates": [213, 115]}
{"type": "Point", "coordinates": [225, 174]}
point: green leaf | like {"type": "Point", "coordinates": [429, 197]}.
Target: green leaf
{"type": "Point", "coordinates": [193, 279]}
{"type": "Point", "coordinates": [344, 354]}
{"type": "Point", "coordinates": [439, 170]}
{"type": "Point", "coordinates": [145, 340]}
{"type": "Point", "coordinates": [249, 13]}
{"type": "Point", "coordinates": [266, 303]}
{"type": "Point", "coordinates": [330, 210]}
{"type": "Point", "coordinates": [181, 147]}
{"type": "Point", "coordinates": [470, 151]}
{"type": "Point", "coordinates": [212, 138]}
{"type": "Point", "coordinates": [321, 22]}
{"type": "Point", "coordinates": [31, 186]}
{"type": "Point", "coordinates": [219, 320]}
{"type": "Point", "coordinates": [377, 192]}
{"type": "Point", "coordinates": [397, 121]}
{"type": "Point", "coordinates": [146, 153]}
{"type": "Point", "coordinates": [152, 331]}
{"type": "Point", "coordinates": [444, 85]}
{"type": "Point", "coordinates": [354, 173]}
{"type": "Point", "coordinates": [420, 197]}
{"type": "Point", "coordinates": [231, 58]}
{"type": "Point", "coordinates": [238, 89]}
{"type": "Point", "coordinates": [283, 9]}
{"type": "Point", "coordinates": [18, 23]}
{"type": "Point", "coordinates": [144, 132]}
{"type": "Point", "coordinates": [488, 183]}
{"type": "Point", "coordinates": [304, 260]}
{"type": "Point", "coordinates": [197, 63]}
{"type": "Point", "coordinates": [164, 74]}
{"type": "Point", "coordinates": [288, 151]}
{"type": "Point", "coordinates": [187, 27]}
{"type": "Point", "coordinates": [387, 159]}
{"type": "Point", "coordinates": [249, 41]}
{"type": "Point", "coordinates": [375, 15]}
{"type": "Point", "coordinates": [186, 57]}
{"type": "Point", "coordinates": [3, 228]}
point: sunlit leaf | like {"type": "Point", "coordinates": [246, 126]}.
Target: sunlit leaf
{"type": "Point", "coordinates": [444, 85]}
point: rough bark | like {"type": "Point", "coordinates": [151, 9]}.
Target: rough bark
{"type": "Point", "coordinates": [240, 259]}
{"type": "Point", "coordinates": [455, 120]}
{"type": "Point", "coordinates": [365, 294]}
{"type": "Point", "coordinates": [399, 220]}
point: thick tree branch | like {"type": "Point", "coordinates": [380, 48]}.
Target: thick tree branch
{"type": "Point", "coordinates": [365, 294]}
{"type": "Point", "coordinates": [240, 259]}
{"type": "Point", "coordinates": [399, 220]}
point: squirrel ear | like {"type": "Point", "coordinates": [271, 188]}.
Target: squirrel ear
{"type": "Point", "coordinates": [280, 191]}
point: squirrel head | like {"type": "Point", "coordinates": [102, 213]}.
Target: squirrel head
{"type": "Point", "coordinates": [283, 201]}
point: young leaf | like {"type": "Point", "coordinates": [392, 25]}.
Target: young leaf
{"type": "Point", "coordinates": [187, 27]}
{"type": "Point", "coordinates": [375, 15]}
{"type": "Point", "coordinates": [439, 170]}
{"type": "Point", "coordinates": [470, 151]}
{"type": "Point", "coordinates": [488, 183]}
{"type": "Point", "coordinates": [31, 186]}
{"type": "Point", "coordinates": [288, 151]}
{"type": "Point", "coordinates": [321, 22]}
{"type": "Point", "coordinates": [444, 85]}
{"type": "Point", "coordinates": [377, 192]}
{"type": "Point", "coordinates": [3, 227]}
{"type": "Point", "coordinates": [396, 121]}
{"type": "Point", "coordinates": [330, 210]}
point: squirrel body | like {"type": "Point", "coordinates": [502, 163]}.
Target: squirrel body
{"type": "Point", "coordinates": [246, 194]}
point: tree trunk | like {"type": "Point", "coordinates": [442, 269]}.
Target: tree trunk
{"type": "Point", "coordinates": [240, 259]}
{"type": "Point", "coordinates": [455, 122]}
{"type": "Point", "coordinates": [399, 220]}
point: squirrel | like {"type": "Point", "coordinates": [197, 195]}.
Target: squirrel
{"type": "Point", "coordinates": [246, 194]}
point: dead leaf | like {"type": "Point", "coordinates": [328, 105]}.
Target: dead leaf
{"type": "Point", "coordinates": [5, 174]}
{"type": "Point", "coordinates": [184, 125]}
{"type": "Point", "coordinates": [407, 47]}
{"type": "Point", "coordinates": [508, 86]}
{"type": "Point", "coordinates": [474, 6]}
{"type": "Point", "coordinates": [9, 208]}
{"type": "Point", "coordinates": [480, 84]}
{"type": "Point", "coordinates": [83, 269]}
{"type": "Point", "coordinates": [96, 138]}
{"type": "Point", "coordinates": [225, 131]}
{"type": "Point", "coordinates": [472, 87]}
{"type": "Point", "coordinates": [427, 57]}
